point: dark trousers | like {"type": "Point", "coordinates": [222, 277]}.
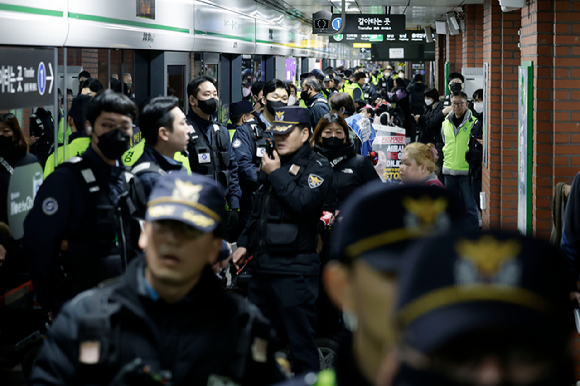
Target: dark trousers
{"type": "Point", "coordinates": [460, 185]}
{"type": "Point", "coordinates": [290, 299]}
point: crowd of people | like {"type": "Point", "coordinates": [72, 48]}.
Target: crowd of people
{"type": "Point", "coordinates": [130, 248]}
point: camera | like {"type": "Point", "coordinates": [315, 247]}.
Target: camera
{"type": "Point", "coordinates": [321, 22]}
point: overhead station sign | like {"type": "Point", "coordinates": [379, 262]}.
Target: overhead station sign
{"type": "Point", "coordinates": [27, 77]}
{"type": "Point", "coordinates": [370, 24]}
{"type": "Point", "coordinates": [407, 37]}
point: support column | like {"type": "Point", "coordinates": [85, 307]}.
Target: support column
{"type": "Point", "coordinates": [440, 59]}
{"type": "Point", "coordinates": [236, 76]}
{"type": "Point", "coordinates": [454, 52]}
{"type": "Point", "coordinates": [473, 36]}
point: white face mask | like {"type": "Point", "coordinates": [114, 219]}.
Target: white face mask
{"type": "Point", "coordinates": [478, 107]}
{"type": "Point", "coordinates": [291, 100]}
{"type": "Point", "coordinates": [387, 74]}
{"type": "Point", "coordinates": [402, 76]}
{"type": "Point", "coordinates": [246, 92]}
{"type": "Point", "coordinates": [366, 80]}
{"type": "Point", "coordinates": [428, 102]}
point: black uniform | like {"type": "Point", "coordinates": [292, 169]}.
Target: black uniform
{"type": "Point", "coordinates": [249, 144]}
{"type": "Point", "coordinates": [318, 107]}
{"type": "Point", "coordinates": [82, 228]}
{"type": "Point", "coordinates": [282, 237]}
{"type": "Point", "coordinates": [208, 335]}
{"type": "Point", "coordinates": [151, 166]}
{"type": "Point", "coordinates": [211, 154]}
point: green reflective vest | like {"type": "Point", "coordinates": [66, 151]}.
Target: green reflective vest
{"type": "Point", "coordinates": [456, 146]}
{"type": "Point", "coordinates": [133, 154]}
{"type": "Point", "coordinates": [74, 149]}
{"type": "Point", "coordinates": [352, 87]}
{"type": "Point", "coordinates": [61, 131]}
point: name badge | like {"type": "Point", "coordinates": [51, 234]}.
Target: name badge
{"type": "Point", "coordinates": [260, 152]}
{"type": "Point", "coordinates": [204, 158]}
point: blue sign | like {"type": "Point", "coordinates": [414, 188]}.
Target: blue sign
{"type": "Point", "coordinates": [422, 72]}
{"type": "Point", "coordinates": [41, 78]}
{"type": "Point", "coordinates": [336, 23]}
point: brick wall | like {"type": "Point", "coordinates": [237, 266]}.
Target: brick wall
{"type": "Point", "coordinates": [473, 36]}
{"type": "Point", "coordinates": [90, 61]}
{"type": "Point", "coordinates": [455, 52]}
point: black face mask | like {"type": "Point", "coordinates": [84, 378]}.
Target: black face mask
{"type": "Point", "coordinates": [455, 87]}
{"type": "Point", "coordinates": [304, 95]}
{"type": "Point", "coordinates": [273, 105]}
{"type": "Point", "coordinates": [208, 106]}
{"type": "Point", "coordinates": [332, 143]}
{"type": "Point", "coordinates": [6, 142]}
{"type": "Point", "coordinates": [113, 144]}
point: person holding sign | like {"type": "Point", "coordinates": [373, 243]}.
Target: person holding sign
{"type": "Point", "coordinates": [13, 153]}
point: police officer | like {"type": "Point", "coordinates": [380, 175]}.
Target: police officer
{"type": "Point", "coordinates": [282, 234]}
{"type": "Point", "coordinates": [363, 279]}
{"type": "Point", "coordinates": [79, 140]}
{"type": "Point", "coordinates": [249, 144]}
{"type": "Point", "coordinates": [210, 150]}
{"type": "Point", "coordinates": [167, 318]}
{"type": "Point", "coordinates": [240, 113]}
{"type": "Point", "coordinates": [82, 228]}
{"type": "Point", "coordinates": [484, 308]}
{"type": "Point", "coordinates": [355, 88]}
{"type": "Point", "coordinates": [456, 84]}
{"type": "Point", "coordinates": [165, 132]}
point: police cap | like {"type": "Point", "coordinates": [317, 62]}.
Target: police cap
{"type": "Point", "coordinates": [240, 108]}
{"type": "Point", "coordinates": [286, 118]}
{"type": "Point", "coordinates": [195, 200]}
{"type": "Point", "coordinates": [462, 282]}
{"type": "Point", "coordinates": [378, 222]}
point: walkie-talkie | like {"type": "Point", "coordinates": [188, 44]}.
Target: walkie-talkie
{"type": "Point", "coordinates": [270, 147]}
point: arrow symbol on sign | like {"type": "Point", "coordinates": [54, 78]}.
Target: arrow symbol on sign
{"type": "Point", "coordinates": [51, 78]}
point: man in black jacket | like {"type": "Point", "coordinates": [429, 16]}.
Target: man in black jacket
{"type": "Point", "coordinates": [165, 131]}
{"type": "Point", "coordinates": [282, 234]}
{"type": "Point", "coordinates": [312, 95]}
{"type": "Point", "coordinates": [167, 317]}
{"type": "Point", "coordinates": [417, 95]}
{"type": "Point", "coordinates": [82, 228]}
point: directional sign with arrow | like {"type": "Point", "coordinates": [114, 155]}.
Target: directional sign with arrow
{"type": "Point", "coordinates": [26, 77]}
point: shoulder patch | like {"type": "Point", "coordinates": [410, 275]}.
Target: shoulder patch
{"type": "Point", "coordinates": [49, 206]}
{"type": "Point", "coordinates": [237, 143]}
{"type": "Point", "coordinates": [314, 181]}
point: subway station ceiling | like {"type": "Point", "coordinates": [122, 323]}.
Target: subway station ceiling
{"type": "Point", "coordinates": [418, 12]}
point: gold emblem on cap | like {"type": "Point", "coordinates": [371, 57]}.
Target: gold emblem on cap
{"type": "Point", "coordinates": [281, 128]}
{"type": "Point", "coordinates": [197, 219]}
{"type": "Point", "coordinates": [488, 254]}
{"type": "Point", "coordinates": [279, 115]}
{"type": "Point", "coordinates": [425, 209]}
{"type": "Point", "coordinates": [161, 210]}
{"type": "Point", "coordinates": [185, 190]}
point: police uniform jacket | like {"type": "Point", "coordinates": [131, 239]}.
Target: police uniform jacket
{"type": "Point", "coordinates": [249, 144]}
{"type": "Point", "coordinates": [318, 106]}
{"type": "Point", "coordinates": [79, 234]}
{"type": "Point", "coordinates": [11, 159]}
{"type": "Point", "coordinates": [282, 233]}
{"type": "Point", "coordinates": [213, 140]}
{"type": "Point", "coordinates": [350, 171]}
{"type": "Point", "coordinates": [149, 178]}
{"type": "Point", "coordinates": [205, 334]}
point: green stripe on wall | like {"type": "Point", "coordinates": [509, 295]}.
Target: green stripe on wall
{"type": "Point", "coordinates": [131, 23]}
{"type": "Point", "coordinates": [198, 32]}
{"type": "Point", "coordinates": [31, 10]}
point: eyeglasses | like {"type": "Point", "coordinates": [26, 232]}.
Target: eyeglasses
{"type": "Point", "coordinates": [458, 104]}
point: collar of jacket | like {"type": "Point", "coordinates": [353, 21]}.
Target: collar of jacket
{"type": "Point", "coordinates": [164, 162]}
{"type": "Point", "coordinates": [313, 99]}
{"type": "Point", "coordinates": [466, 117]}
{"type": "Point", "coordinates": [201, 123]}
{"type": "Point", "coordinates": [299, 156]}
